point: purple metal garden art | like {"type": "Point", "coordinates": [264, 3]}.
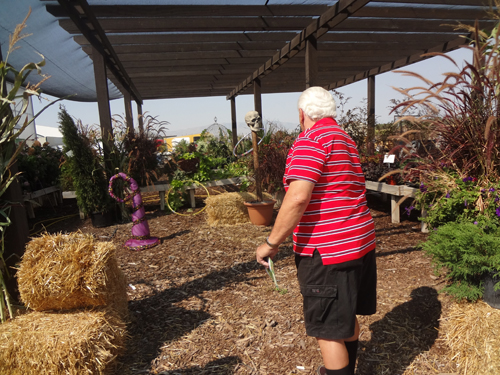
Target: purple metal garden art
{"type": "Point", "coordinates": [140, 231]}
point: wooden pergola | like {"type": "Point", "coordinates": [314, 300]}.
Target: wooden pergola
{"type": "Point", "coordinates": [227, 49]}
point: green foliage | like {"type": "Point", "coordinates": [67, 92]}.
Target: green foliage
{"type": "Point", "coordinates": [84, 166]}
{"type": "Point", "coordinates": [451, 198]}
{"type": "Point", "coordinates": [39, 167]}
{"type": "Point", "coordinates": [467, 252]}
{"type": "Point", "coordinates": [177, 197]}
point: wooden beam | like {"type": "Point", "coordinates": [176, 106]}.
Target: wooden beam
{"type": "Point", "coordinates": [215, 24]}
{"type": "Point", "coordinates": [190, 37]}
{"type": "Point", "coordinates": [128, 111]}
{"type": "Point", "coordinates": [257, 98]}
{"type": "Point", "coordinates": [80, 18]}
{"type": "Point", "coordinates": [170, 11]}
{"type": "Point", "coordinates": [234, 128]}
{"type": "Point", "coordinates": [335, 15]}
{"type": "Point", "coordinates": [443, 12]}
{"type": "Point", "coordinates": [370, 131]}
{"type": "Point", "coordinates": [140, 118]}
{"type": "Point", "coordinates": [101, 85]}
{"type": "Point", "coordinates": [445, 47]}
{"type": "Point", "coordinates": [311, 62]}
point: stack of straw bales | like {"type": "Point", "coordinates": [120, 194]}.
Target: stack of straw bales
{"type": "Point", "coordinates": [229, 208]}
{"type": "Point", "coordinates": [473, 335]}
{"type": "Point", "coordinates": [78, 292]}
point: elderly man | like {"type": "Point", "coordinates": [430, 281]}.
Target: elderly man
{"type": "Point", "coordinates": [333, 232]}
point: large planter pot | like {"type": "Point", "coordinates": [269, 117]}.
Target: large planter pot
{"type": "Point", "coordinates": [102, 219]}
{"type": "Point", "coordinates": [491, 296]}
{"type": "Point", "coordinates": [261, 213]}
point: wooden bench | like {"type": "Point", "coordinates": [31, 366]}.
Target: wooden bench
{"type": "Point", "coordinates": [395, 192]}
{"type": "Point", "coordinates": [53, 194]}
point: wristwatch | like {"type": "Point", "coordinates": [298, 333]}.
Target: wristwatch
{"type": "Point", "coordinates": [273, 246]}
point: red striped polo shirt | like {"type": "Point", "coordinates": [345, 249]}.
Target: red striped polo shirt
{"type": "Point", "coordinates": [337, 220]}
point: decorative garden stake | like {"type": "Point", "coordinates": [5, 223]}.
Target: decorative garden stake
{"type": "Point", "coordinates": [260, 212]}
{"type": "Point", "coordinates": [140, 231]}
{"type": "Point", "coordinates": [253, 121]}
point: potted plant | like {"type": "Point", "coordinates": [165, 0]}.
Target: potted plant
{"type": "Point", "coordinates": [87, 172]}
{"type": "Point", "coordinates": [259, 210]}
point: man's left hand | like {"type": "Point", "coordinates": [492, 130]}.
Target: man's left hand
{"type": "Point", "coordinates": [264, 251]}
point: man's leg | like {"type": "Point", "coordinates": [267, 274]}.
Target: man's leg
{"type": "Point", "coordinates": [336, 356]}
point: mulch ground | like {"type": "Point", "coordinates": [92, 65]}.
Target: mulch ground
{"type": "Point", "coordinates": [200, 304]}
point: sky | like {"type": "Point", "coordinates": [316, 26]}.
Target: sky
{"type": "Point", "coordinates": [191, 115]}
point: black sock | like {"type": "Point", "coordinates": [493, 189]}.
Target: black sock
{"type": "Point", "coordinates": [352, 351]}
{"type": "Point", "coordinates": [342, 371]}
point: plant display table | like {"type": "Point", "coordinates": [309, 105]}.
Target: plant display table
{"type": "Point", "coordinates": [163, 188]}
{"type": "Point", "coordinates": [396, 192]}
{"type": "Point", "coordinates": [53, 194]}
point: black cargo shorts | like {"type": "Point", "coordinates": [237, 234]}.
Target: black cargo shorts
{"type": "Point", "coordinates": [334, 294]}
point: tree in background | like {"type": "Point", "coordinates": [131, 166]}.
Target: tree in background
{"type": "Point", "coordinates": [83, 165]}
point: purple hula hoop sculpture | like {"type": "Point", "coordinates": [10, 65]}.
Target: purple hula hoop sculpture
{"type": "Point", "coordinates": [140, 231]}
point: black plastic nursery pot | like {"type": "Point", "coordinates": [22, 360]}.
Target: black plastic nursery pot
{"type": "Point", "coordinates": [103, 219]}
{"type": "Point", "coordinates": [491, 296]}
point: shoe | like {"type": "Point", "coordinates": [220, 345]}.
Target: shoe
{"type": "Point", "coordinates": [321, 370]}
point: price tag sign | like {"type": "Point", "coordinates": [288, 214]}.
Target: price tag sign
{"type": "Point", "coordinates": [389, 158]}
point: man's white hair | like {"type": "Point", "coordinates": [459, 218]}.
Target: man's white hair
{"type": "Point", "coordinates": [317, 103]}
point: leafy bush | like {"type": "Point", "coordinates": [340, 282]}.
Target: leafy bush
{"type": "Point", "coordinates": [39, 166]}
{"type": "Point", "coordinates": [461, 199]}
{"type": "Point", "coordinates": [467, 252]}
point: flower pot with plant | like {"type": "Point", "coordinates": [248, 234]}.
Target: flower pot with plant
{"type": "Point", "coordinates": [259, 210]}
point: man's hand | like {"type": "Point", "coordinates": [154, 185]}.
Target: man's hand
{"type": "Point", "coordinates": [264, 251]}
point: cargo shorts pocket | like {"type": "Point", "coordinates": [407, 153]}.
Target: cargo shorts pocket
{"type": "Point", "coordinates": [318, 300]}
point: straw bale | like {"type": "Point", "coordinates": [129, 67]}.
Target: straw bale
{"type": "Point", "coordinates": [68, 271]}
{"type": "Point", "coordinates": [228, 208]}
{"type": "Point", "coordinates": [69, 343]}
{"type": "Point", "coordinates": [473, 335]}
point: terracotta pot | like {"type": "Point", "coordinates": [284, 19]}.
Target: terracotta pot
{"type": "Point", "coordinates": [261, 213]}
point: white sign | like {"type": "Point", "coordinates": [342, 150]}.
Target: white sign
{"type": "Point", "coordinates": [389, 158]}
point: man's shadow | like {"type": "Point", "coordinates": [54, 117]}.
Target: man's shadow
{"type": "Point", "coordinates": [401, 335]}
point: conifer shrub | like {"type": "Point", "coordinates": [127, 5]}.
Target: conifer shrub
{"type": "Point", "coordinates": [467, 253]}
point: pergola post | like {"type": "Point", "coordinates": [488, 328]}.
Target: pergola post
{"type": "Point", "coordinates": [311, 61]}
{"type": "Point", "coordinates": [139, 118]}
{"type": "Point", "coordinates": [370, 131]}
{"type": "Point", "coordinates": [101, 85]}
{"type": "Point", "coordinates": [127, 98]}
{"type": "Point", "coordinates": [257, 99]}
{"type": "Point", "coordinates": [234, 129]}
